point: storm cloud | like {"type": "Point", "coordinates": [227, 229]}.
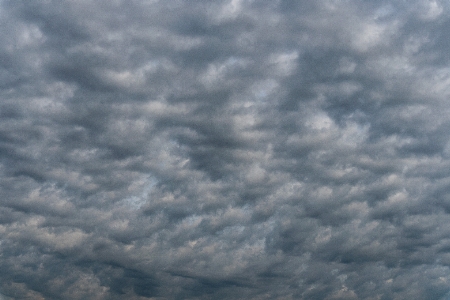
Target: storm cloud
{"type": "Point", "coordinates": [235, 149]}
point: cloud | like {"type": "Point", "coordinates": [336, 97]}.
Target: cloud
{"type": "Point", "coordinates": [227, 150]}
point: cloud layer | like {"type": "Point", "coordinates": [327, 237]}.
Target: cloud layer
{"type": "Point", "coordinates": [224, 149]}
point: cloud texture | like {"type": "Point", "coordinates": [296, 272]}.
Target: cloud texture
{"type": "Point", "coordinates": [224, 149]}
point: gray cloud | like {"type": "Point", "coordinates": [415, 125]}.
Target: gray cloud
{"type": "Point", "coordinates": [228, 150]}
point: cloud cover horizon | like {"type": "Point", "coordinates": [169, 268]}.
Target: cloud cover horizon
{"type": "Point", "coordinates": [225, 149]}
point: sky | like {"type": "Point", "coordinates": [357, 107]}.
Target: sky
{"type": "Point", "coordinates": [241, 149]}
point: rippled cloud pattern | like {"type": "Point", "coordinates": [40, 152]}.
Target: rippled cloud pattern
{"type": "Point", "coordinates": [230, 149]}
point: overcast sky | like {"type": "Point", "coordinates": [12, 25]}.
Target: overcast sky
{"type": "Point", "coordinates": [241, 149]}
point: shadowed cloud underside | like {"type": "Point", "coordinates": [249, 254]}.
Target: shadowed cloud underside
{"type": "Point", "coordinates": [235, 149]}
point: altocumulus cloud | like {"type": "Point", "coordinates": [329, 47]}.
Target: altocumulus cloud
{"type": "Point", "coordinates": [235, 149]}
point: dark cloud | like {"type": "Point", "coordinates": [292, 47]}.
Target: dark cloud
{"type": "Point", "coordinates": [229, 150]}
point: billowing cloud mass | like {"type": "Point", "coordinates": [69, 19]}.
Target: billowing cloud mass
{"type": "Point", "coordinates": [235, 149]}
